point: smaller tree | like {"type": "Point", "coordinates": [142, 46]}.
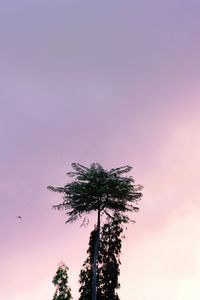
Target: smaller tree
{"type": "Point", "coordinates": [108, 261]}
{"type": "Point", "coordinates": [85, 277]}
{"type": "Point", "coordinates": [60, 280]}
{"type": "Point", "coordinates": [109, 258]}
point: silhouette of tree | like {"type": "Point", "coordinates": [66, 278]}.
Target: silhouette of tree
{"type": "Point", "coordinates": [85, 277]}
{"type": "Point", "coordinates": [60, 280]}
{"type": "Point", "coordinates": [108, 261]}
{"type": "Point", "coordinates": [96, 189]}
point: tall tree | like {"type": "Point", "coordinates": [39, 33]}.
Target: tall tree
{"type": "Point", "coordinates": [108, 262]}
{"type": "Point", "coordinates": [60, 280]}
{"type": "Point", "coordinates": [96, 189]}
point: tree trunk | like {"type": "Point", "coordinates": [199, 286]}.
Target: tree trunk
{"type": "Point", "coordinates": [95, 259]}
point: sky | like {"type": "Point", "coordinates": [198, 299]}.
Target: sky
{"type": "Point", "coordinates": [114, 82]}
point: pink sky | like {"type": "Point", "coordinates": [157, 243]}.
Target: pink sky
{"type": "Point", "coordinates": [115, 83]}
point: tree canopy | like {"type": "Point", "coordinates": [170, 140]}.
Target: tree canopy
{"type": "Point", "coordinates": [95, 188]}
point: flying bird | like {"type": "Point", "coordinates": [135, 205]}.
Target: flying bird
{"type": "Point", "coordinates": [19, 217]}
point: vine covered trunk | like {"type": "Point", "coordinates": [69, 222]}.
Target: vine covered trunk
{"type": "Point", "coordinates": [95, 258]}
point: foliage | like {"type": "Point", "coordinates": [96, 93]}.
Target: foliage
{"type": "Point", "coordinates": [108, 262]}
{"type": "Point", "coordinates": [95, 188]}
{"type": "Point", "coordinates": [85, 277]}
{"type": "Point", "coordinates": [60, 280]}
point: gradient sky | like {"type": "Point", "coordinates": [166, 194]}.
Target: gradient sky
{"type": "Point", "coordinates": [114, 82]}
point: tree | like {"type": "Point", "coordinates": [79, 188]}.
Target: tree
{"type": "Point", "coordinates": [60, 280]}
{"type": "Point", "coordinates": [85, 277]}
{"type": "Point", "coordinates": [96, 189]}
{"type": "Point", "coordinates": [109, 258]}
{"type": "Point", "coordinates": [108, 262]}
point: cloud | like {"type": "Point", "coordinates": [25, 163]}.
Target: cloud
{"type": "Point", "coordinates": [161, 254]}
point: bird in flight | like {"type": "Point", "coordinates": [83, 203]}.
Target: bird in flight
{"type": "Point", "coordinates": [19, 217]}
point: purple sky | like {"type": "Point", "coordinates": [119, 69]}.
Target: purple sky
{"type": "Point", "coordinates": [113, 82]}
